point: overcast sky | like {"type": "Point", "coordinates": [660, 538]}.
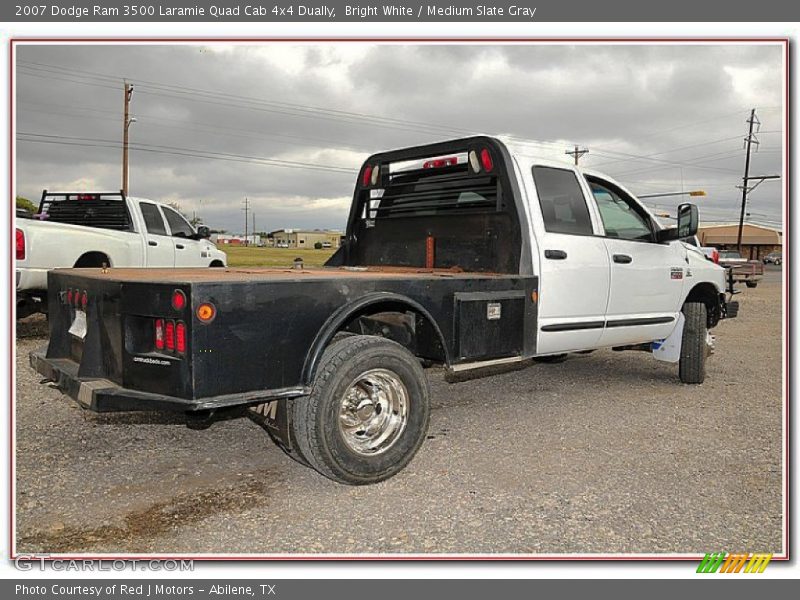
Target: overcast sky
{"type": "Point", "coordinates": [207, 117]}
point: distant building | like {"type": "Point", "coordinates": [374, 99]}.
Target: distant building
{"type": "Point", "coordinates": [304, 238]}
{"type": "Point", "coordinates": [224, 239]}
{"type": "Point", "coordinates": [757, 240]}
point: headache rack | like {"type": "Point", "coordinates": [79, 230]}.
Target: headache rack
{"type": "Point", "coordinates": [451, 189]}
{"type": "Point", "coordinates": [444, 205]}
{"type": "Point", "coordinates": [433, 186]}
{"type": "Point", "coordinates": [103, 210]}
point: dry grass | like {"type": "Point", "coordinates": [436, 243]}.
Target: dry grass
{"type": "Point", "coordinates": [274, 257]}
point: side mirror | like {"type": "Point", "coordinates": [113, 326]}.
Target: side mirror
{"type": "Point", "coordinates": [688, 220]}
{"type": "Point", "coordinates": [203, 232]}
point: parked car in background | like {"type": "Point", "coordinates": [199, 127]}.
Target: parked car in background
{"type": "Point", "coordinates": [96, 229]}
{"type": "Point", "coordinates": [773, 258]}
{"type": "Point", "coordinates": [748, 271]}
{"type": "Point", "coordinates": [709, 252]}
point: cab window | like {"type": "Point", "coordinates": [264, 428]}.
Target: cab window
{"type": "Point", "coordinates": [152, 219]}
{"type": "Point", "coordinates": [177, 224]}
{"type": "Point", "coordinates": [562, 201]}
{"type": "Point", "coordinates": [620, 215]}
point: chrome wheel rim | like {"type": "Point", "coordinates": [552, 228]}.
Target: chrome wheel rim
{"type": "Point", "coordinates": [373, 412]}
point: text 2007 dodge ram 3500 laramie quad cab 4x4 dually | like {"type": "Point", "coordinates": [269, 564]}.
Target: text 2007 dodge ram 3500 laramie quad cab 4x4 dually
{"type": "Point", "coordinates": [460, 253]}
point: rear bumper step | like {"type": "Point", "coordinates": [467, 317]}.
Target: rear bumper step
{"type": "Point", "coordinates": [102, 395]}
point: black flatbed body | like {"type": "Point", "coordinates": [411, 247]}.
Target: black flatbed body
{"type": "Point", "coordinates": [270, 328]}
{"type": "Point", "coordinates": [435, 257]}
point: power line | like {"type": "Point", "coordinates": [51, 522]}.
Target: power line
{"type": "Point", "coordinates": [709, 143]}
{"type": "Point", "coordinates": [246, 102]}
{"type": "Point", "coordinates": [692, 124]}
{"type": "Point", "coordinates": [349, 117]}
{"type": "Point", "coordinates": [143, 120]}
{"type": "Point", "coordinates": [180, 151]}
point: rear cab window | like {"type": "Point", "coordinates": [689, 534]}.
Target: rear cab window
{"type": "Point", "coordinates": [562, 201]}
{"type": "Point", "coordinates": [437, 186]}
{"type": "Point", "coordinates": [153, 220]}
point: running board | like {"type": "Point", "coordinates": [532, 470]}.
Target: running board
{"type": "Point", "coordinates": [487, 363]}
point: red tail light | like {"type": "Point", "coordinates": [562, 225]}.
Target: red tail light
{"type": "Point", "coordinates": [715, 256]}
{"type": "Point", "coordinates": [180, 337]}
{"type": "Point", "coordinates": [438, 163]}
{"type": "Point", "coordinates": [20, 245]}
{"type": "Point", "coordinates": [84, 300]}
{"type": "Point", "coordinates": [178, 300]}
{"type": "Point", "coordinates": [169, 333]}
{"type": "Point", "coordinates": [486, 160]}
{"type": "Point", "coordinates": [366, 178]}
{"type": "Point", "coordinates": [69, 296]}
{"type": "Point", "coordinates": [159, 334]}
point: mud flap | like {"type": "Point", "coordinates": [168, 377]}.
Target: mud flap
{"type": "Point", "coordinates": [669, 349]}
{"type": "Point", "coordinates": [275, 417]}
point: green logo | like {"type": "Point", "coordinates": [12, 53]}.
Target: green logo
{"type": "Point", "coordinates": [729, 562]}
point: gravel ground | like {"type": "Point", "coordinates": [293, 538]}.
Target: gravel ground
{"type": "Point", "coordinates": [604, 453]}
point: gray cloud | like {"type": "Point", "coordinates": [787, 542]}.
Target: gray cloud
{"type": "Point", "coordinates": [683, 106]}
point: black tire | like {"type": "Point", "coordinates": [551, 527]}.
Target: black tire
{"type": "Point", "coordinates": [692, 364]}
{"type": "Point", "coordinates": [316, 418]}
{"type": "Point", "coordinates": [551, 359]}
{"type": "Point", "coordinates": [751, 284]}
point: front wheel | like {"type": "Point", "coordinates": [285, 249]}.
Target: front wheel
{"type": "Point", "coordinates": [694, 344]}
{"type": "Point", "coordinates": [751, 284]}
{"type": "Point", "coordinates": [368, 411]}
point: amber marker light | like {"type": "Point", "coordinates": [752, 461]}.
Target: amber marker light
{"type": "Point", "coordinates": [206, 312]}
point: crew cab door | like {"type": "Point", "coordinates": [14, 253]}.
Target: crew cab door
{"type": "Point", "coordinates": [159, 251]}
{"type": "Point", "coordinates": [573, 261]}
{"type": "Point", "coordinates": [647, 278]}
{"type": "Point", "coordinates": [187, 250]}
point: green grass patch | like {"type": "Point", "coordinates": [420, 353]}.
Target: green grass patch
{"type": "Point", "coordinates": [250, 256]}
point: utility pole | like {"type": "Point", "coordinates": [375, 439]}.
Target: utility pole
{"type": "Point", "coordinates": [246, 209]}
{"type": "Point", "coordinates": [254, 227]}
{"type": "Point", "coordinates": [126, 123]}
{"type": "Point", "coordinates": [577, 153]}
{"type": "Point", "coordinates": [749, 140]}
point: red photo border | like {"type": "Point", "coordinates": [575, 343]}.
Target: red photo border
{"type": "Point", "coordinates": [785, 556]}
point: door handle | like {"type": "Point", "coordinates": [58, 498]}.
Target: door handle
{"type": "Point", "coordinates": [152, 243]}
{"type": "Point", "coordinates": [555, 254]}
{"type": "Point", "coordinates": [623, 259]}
{"type": "Point", "coordinates": [180, 246]}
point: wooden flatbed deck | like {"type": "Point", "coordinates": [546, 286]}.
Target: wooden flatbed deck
{"type": "Point", "coordinates": [190, 275]}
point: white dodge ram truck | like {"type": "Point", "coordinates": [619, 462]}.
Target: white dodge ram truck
{"type": "Point", "coordinates": [96, 229]}
{"type": "Point", "coordinates": [465, 254]}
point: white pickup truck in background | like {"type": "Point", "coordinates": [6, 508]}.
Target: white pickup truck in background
{"type": "Point", "coordinates": [96, 229]}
